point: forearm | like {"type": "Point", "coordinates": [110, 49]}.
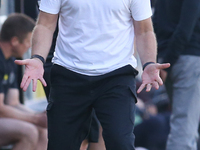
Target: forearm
{"type": "Point", "coordinates": [12, 99]}
{"type": "Point", "coordinates": [43, 33]}
{"type": "Point", "coordinates": [24, 109]}
{"type": "Point", "coordinates": [7, 111]}
{"type": "Point", "coordinates": [147, 50]}
{"type": "Point", "coordinates": [41, 41]}
{"type": "Point", "coordinates": [146, 47]}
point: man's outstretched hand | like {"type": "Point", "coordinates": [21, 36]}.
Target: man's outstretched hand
{"type": "Point", "coordinates": [33, 71]}
{"type": "Point", "coordinates": [151, 76]}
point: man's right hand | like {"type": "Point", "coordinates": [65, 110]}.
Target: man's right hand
{"type": "Point", "coordinates": [33, 71]}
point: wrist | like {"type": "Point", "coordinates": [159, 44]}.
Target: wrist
{"type": "Point", "coordinates": [38, 57]}
{"type": "Point", "coordinates": [147, 63]}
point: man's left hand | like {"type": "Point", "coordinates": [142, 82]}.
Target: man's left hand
{"type": "Point", "coordinates": [151, 76]}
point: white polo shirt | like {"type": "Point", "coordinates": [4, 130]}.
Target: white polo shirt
{"type": "Point", "coordinates": [96, 36]}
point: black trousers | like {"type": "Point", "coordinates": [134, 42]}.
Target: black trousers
{"type": "Point", "coordinates": [93, 133]}
{"type": "Point", "coordinates": [73, 96]}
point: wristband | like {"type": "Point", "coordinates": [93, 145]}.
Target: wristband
{"type": "Point", "coordinates": [39, 57]}
{"type": "Point", "coordinates": [147, 63]}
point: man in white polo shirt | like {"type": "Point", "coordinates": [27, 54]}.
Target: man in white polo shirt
{"type": "Point", "coordinates": [93, 67]}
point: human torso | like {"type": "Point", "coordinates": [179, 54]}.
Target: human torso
{"type": "Point", "coordinates": [166, 21]}
{"type": "Point", "coordinates": [95, 37]}
{"type": "Point", "coordinates": [7, 74]}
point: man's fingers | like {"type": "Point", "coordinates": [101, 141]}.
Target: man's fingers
{"type": "Point", "coordinates": [25, 77]}
{"type": "Point", "coordinates": [32, 67]}
{"type": "Point", "coordinates": [27, 80]}
{"type": "Point", "coordinates": [43, 81]}
{"type": "Point", "coordinates": [34, 85]}
{"type": "Point", "coordinates": [163, 75]}
{"type": "Point", "coordinates": [26, 84]}
{"type": "Point", "coordinates": [163, 66]}
{"type": "Point", "coordinates": [159, 81]}
{"type": "Point", "coordinates": [142, 86]}
{"type": "Point", "coordinates": [148, 87]}
{"type": "Point", "coordinates": [20, 62]}
{"type": "Point", "coordinates": [155, 85]}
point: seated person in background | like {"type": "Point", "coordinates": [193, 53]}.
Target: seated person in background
{"type": "Point", "coordinates": [19, 126]}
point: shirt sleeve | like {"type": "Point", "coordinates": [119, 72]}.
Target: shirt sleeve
{"type": "Point", "coordinates": [141, 9]}
{"type": "Point", "coordinates": [50, 6]}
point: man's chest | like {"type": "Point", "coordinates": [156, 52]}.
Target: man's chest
{"type": "Point", "coordinates": [96, 6]}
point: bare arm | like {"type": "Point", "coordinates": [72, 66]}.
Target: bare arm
{"type": "Point", "coordinates": [41, 43]}
{"type": "Point", "coordinates": [12, 99]}
{"type": "Point", "coordinates": [145, 41]}
{"type": "Point", "coordinates": [7, 111]}
{"type": "Point", "coordinates": [147, 50]}
{"type": "Point", "coordinates": [43, 33]}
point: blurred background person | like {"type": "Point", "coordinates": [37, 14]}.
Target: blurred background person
{"type": "Point", "coordinates": [19, 125]}
{"type": "Point", "coordinates": [177, 27]}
